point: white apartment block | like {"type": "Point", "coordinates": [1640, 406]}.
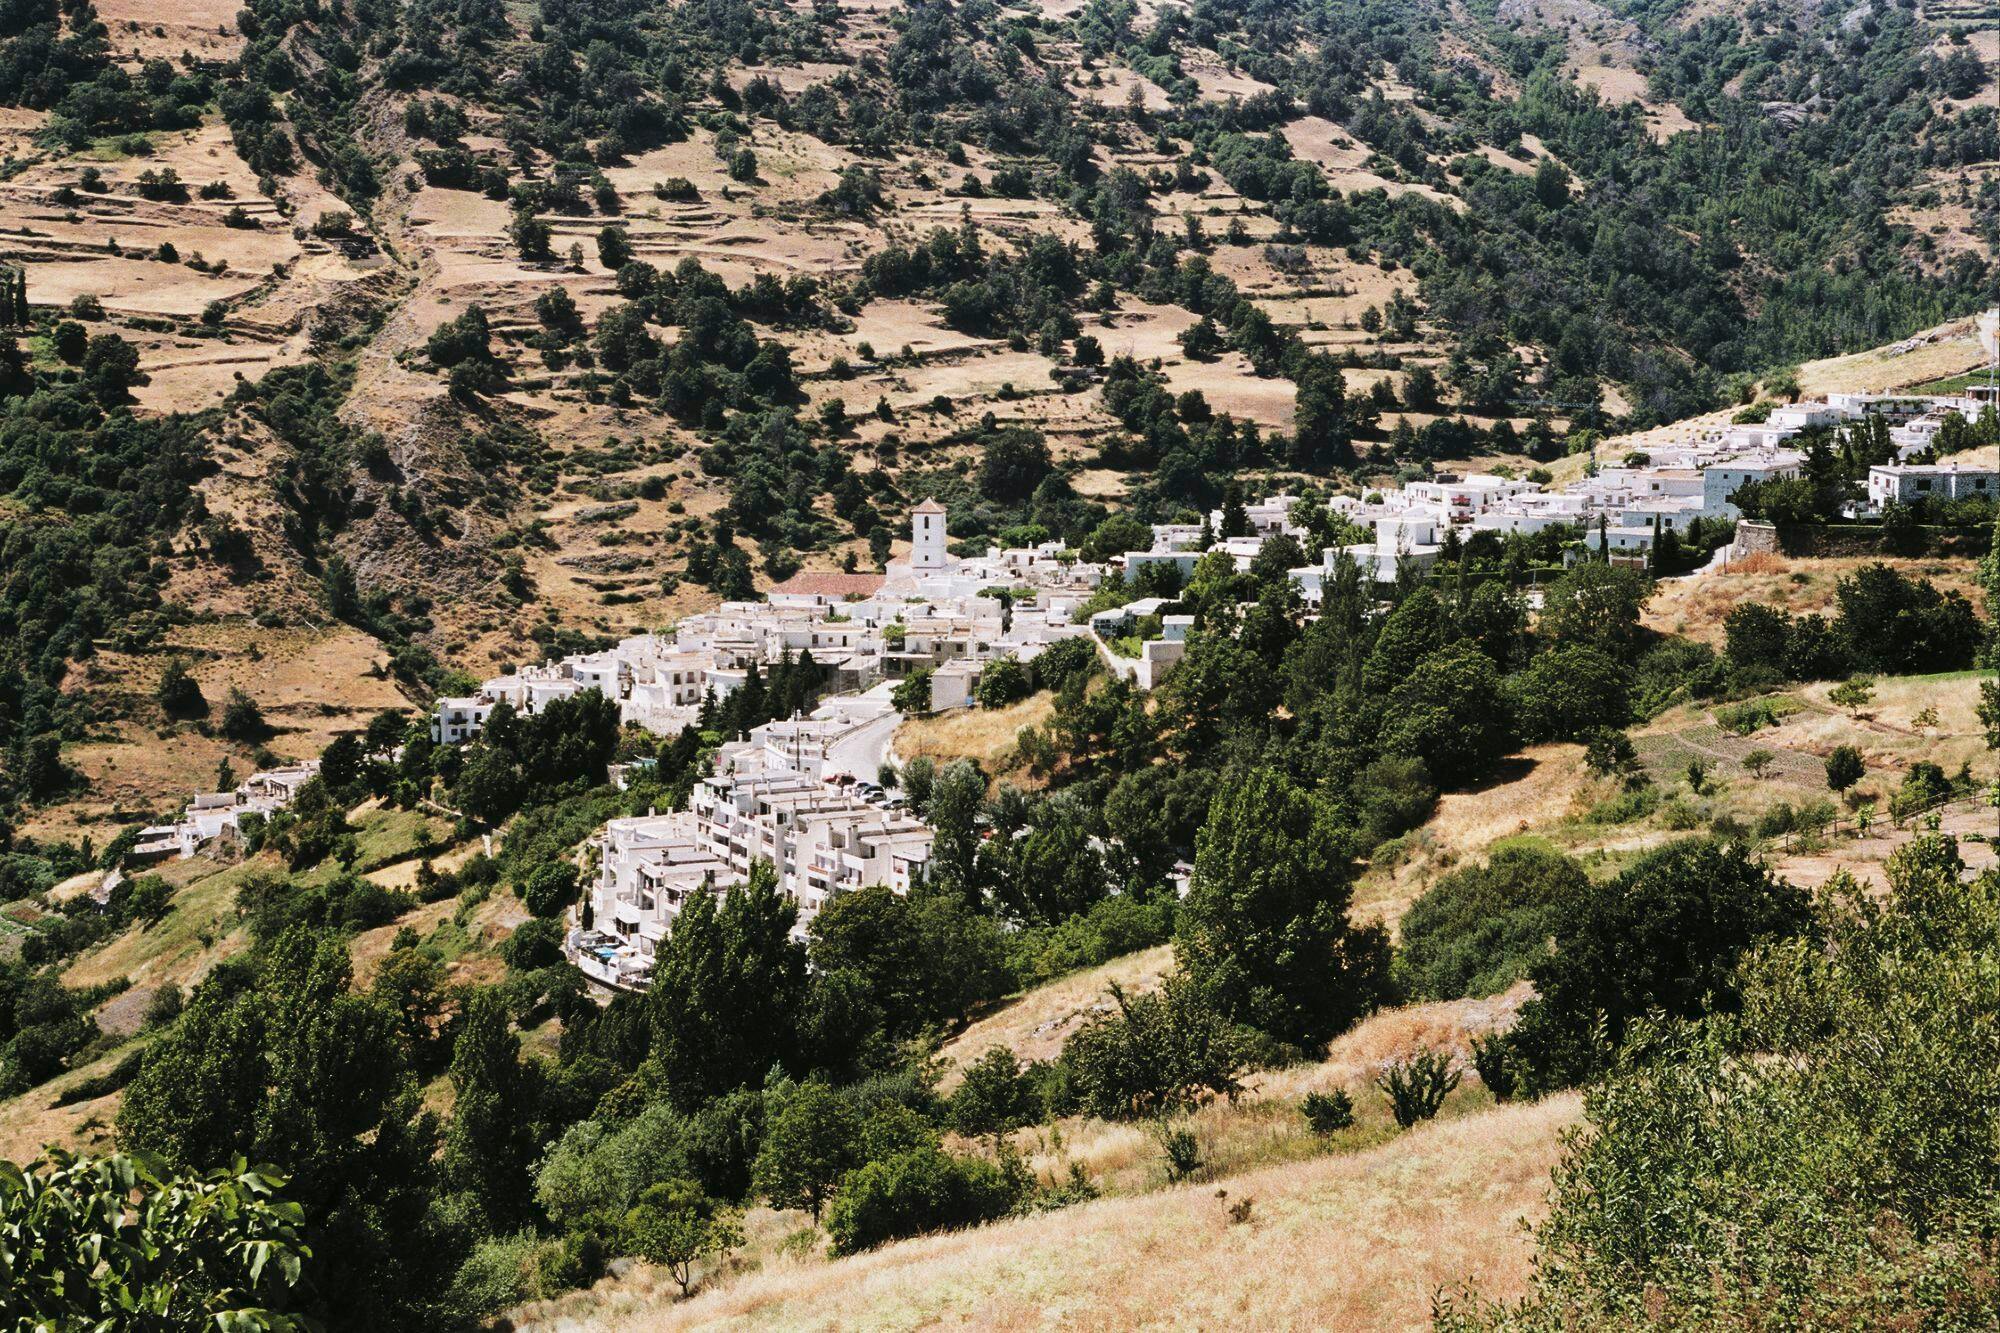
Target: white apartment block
{"type": "Point", "coordinates": [819, 835]}
{"type": "Point", "coordinates": [933, 611]}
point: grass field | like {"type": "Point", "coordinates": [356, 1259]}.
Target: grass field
{"type": "Point", "coordinates": [1353, 1241]}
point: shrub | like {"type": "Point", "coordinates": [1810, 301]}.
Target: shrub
{"type": "Point", "coordinates": [1844, 768]}
{"type": "Point", "coordinates": [1326, 1112]}
{"type": "Point", "coordinates": [994, 1097]}
{"type": "Point", "coordinates": [1181, 1149]}
{"type": "Point", "coordinates": [242, 719]}
{"type": "Point", "coordinates": [1159, 1053]}
{"type": "Point", "coordinates": [1925, 785]}
{"type": "Point", "coordinates": [1665, 935]}
{"type": "Point", "coordinates": [1416, 1087]}
{"type": "Point", "coordinates": [1747, 717]}
{"type": "Point", "coordinates": [1495, 1066]}
{"type": "Point", "coordinates": [533, 945]}
{"type": "Point", "coordinates": [1481, 928]}
{"type": "Point", "coordinates": [1626, 807]}
{"type": "Point", "coordinates": [179, 694]}
{"type": "Point", "coordinates": [918, 1190]}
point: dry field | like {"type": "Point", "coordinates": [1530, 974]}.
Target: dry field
{"type": "Point", "coordinates": [1545, 785]}
{"type": "Point", "coordinates": [984, 735]}
{"type": "Point", "coordinates": [1697, 607]}
{"type": "Point", "coordinates": [1345, 1242]}
{"type": "Point", "coordinates": [1036, 1025]}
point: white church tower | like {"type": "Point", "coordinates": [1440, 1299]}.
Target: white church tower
{"type": "Point", "coordinates": [927, 553]}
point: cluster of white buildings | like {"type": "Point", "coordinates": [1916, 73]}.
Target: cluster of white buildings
{"type": "Point", "coordinates": [211, 815]}
{"type": "Point", "coordinates": [783, 796]}
{"type": "Point", "coordinates": [934, 611]}
{"type": "Point", "coordinates": [796, 794]}
{"type": "Point", "coordinates": [1624, 505]}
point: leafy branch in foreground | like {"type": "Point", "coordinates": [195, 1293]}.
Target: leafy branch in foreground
{"type": "Point", "coordinates": [119, 1242]}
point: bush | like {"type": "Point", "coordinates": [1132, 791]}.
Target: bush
{"type": "Point", "coordinates": [1853, 1143]}
{"type": "Point", "coordinates": [1159, 1053]}
{"type": "Point", "coordinates": [1844, 768]}
{"type": "Point", "coordinates": [1924, 786]}
{"type": "Point", "coordinates": [179, 694]}
{"type": "Point", "coordinates": [1746, 718]}
{"type": "Point", "coordinates": [1481, 928]}
{"type": "Point", "coordinates": [533, 945]}
{"type": "Point", "coordinates": [1326, 1112]}
{"type": "Point", "coordinates": [1495, 1065]}
{"type": "Point", "coordinates": [549, 888]}
{"type": "Point", "coordinates": [1665, 935]}
{"type": "Point", "coordinates": [919, 1190]}
{"type": "Point", "coordinates": [994, 1096]}
{"type": "Point", "coordinates": [1416, 1087]}
{"type": "Point", "coordinates": [242, 719]}
{"type": "Point", "coordinates": [1181, 1149]}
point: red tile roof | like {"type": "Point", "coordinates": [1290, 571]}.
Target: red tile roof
{"type": "Point", "coordinates": [830, 585]}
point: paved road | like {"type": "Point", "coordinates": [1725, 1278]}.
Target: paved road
{"type": "Point", "coordinates": [862, 750]}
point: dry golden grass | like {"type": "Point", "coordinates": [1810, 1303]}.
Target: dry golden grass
{"type": "Point", "coordinates": [1353, 1242]}
{"type": "Point", "coordinates": [32, 1120]}
{"type": "Point", "coordinates": [1263, 1126]}
{"type": "Point", "coordinates": [1036, 1025]}
{"type": "Point", "coordinates": [1697, 607]}
{"type": "Point", "coordinates": [984, 735]}
{"type": "Point", "coordinates": [1954, 351]}
{"type": "Point", "coordinates": [1541, 786]}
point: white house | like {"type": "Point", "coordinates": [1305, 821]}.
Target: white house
{"type": "Point", "coordinates": [1907, 483]}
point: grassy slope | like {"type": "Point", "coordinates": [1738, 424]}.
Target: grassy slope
{"type": "Point", "coordinates": [201, 928]}
{"type": "Point", "coordinates": [1353, 1242]}
{"type": "Point", "coordinates": [1036, 1025]}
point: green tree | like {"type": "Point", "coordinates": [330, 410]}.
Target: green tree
{"type": "Point", "coordinates": [957, 796]}
{"type": "Point", "coordinates": [1264, 931]}
{"type": "Point", "coordinates": [902, 964]}
{"type": "Point", "coordinates": [1157, 1054]}
{"type": "Point", "coordinates": [242, 719]}
{"type": "Point", "coordinates": [917, 1190]}
{"type": "Point", "coordinates": [1567, 692]}
{"type": "Point", "coordinates": [1844, 768]}
{"type": "Point", "coordinates": [1597, 605]}
{"type": "Point", "coordinates": [1003, 681]}
{"type": "Point", "coordinates": [1413, 631]}
{"type": "Point", "coordinates": [1664, 936]}
{"type": "Point", "coordinates": [1482, 928]}
{"type": "Point", "coordinates": [1057, 870]}
{"type": "Point", "coordinates": [677, 1226]}
{"type": "Point", "coordinates": [1852, 695]}
{"type": "Point", "coordinates": [490, 786]}
{"type": "Point", "coordinates": [729, 987]}
{"type": "Point", "coordinates": [492, 1142]}
{"type": "Point", "coordinates": [993, 1097]}
{"type": "Point", "coordinates": [614, 248]}
{"type": "Point", "coordinates": [913, 695]}
{"type": "Point", "coordinates": [1450, 712]}
{"type": "Point", "coordinates": [1012, 463]}
{"type": "Point", "coordinates": [179, 693]}
{"type": "Point", "coordinates": [1848, 1135]}
{"type": "Point", "coordinates": [288, 1066]}
{"type": "Point", "coordinates": [810, 1141]}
